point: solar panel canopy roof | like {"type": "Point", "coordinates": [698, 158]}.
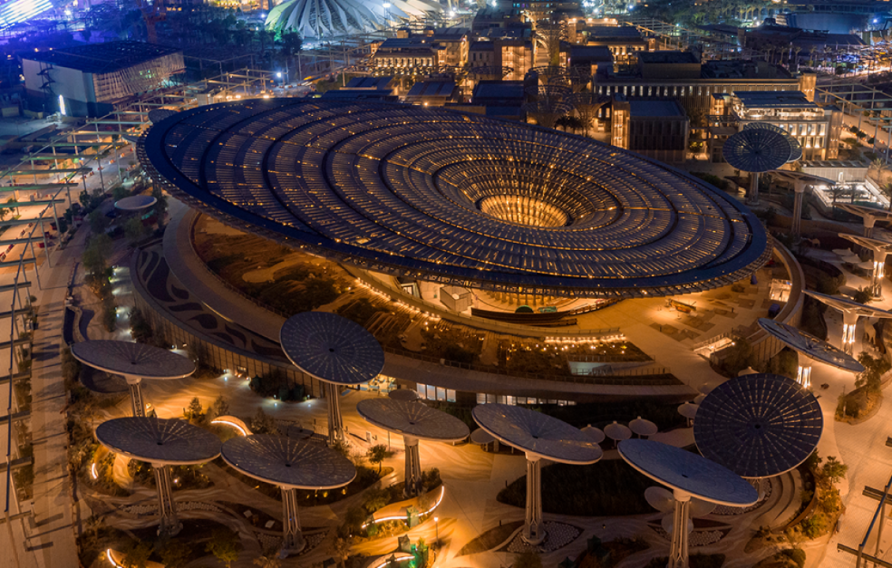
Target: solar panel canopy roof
{"type": "Point", "coordinates": [455, 198]}
{"type": "Point", "coordinates": [758, 425]}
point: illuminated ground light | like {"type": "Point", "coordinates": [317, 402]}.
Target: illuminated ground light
{"type": "Point", "coordinates": [93, 472]}
{"type": "Point", "coordinates": [403, 517]}
{"type": "Point", "coordinates": [243, 430]}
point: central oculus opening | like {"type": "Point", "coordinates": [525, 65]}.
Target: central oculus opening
{"type": "Point", "coordinates": [524, 210]}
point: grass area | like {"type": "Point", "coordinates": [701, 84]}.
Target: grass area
{"type": "Point", "coordinates": [606, 488]}
{"type": "Point", "coordinates": [302, 284]}
{"type": "Point", "coordinates": [490, 539]}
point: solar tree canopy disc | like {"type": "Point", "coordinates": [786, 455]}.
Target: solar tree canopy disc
{"type": "Point", "coordinates": [289, 463]}
{"type": "Point", "coordinates": [132, 359]}
{"type": "Point", "coordinates": [756, 150]}
{"type": "Point", "coordinates": [404, 394]}
{"type": "Point", "coordinates": [135, 203]}
{"type": "Point", "coordinates": [643, 427]}
{"type": "Point", "coordinates": [759, 425]}
{"type": "Point", "coordinates": [795, 146]}
{"type": "Point", "coordinates": [413, 419]}
{"type": "Point", "coordinates": [810, 346]}
{"type": "Point", "coordinates": [158, 440]}
{"type": "Point", "coordinates": [401, 189]}
{"type": "Point", "coordinates": [847, 305]}
{"type": "Point", "coordinates": [331, 348]}
{"type": "Point", "coordinates": [687, 472]}
{"type": "Point", "coordinates": [536, 433]}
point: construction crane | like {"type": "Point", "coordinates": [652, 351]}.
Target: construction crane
{"type": "Point", "coordinates": [151, 15]}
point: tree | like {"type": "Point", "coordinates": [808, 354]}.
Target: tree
{"type": "Point", "coordinates": [268, 559]}
{"type": "Point", "coordinates": [195, 410]}
{"type": "Point", "coordinates": [220, 407]}
{"type": "Point", "coordinates": [879, 168]}
{"type": "Point", "coordinates": [834, 470]}
{"type": "Point", "coordinates": [874, 369]}
{"type": "Point", "coordinates": [340, 551]}
{"type": "Point", "coordinates": [835, 193]}
{"type": "Point", "coordinates": [174, 553]}
{"type": "Point", "coordinates": [136, 555]}
{"type": "Point", "coordinates": [863, 295]}
{"type": "Point", "coordinates": [134, 230]}
{"type": "Point", "coordinates": [376, 499]}
{"type": "Point", "coordinates": [262, 423]}
{"type": "Point", "coordinates": [377, 454]}
{"type": "Point", "coordinates": [528, 559]}
{"type": "Point", "coordinates": [160, 207]}
{"type": "Point", "coordinates": [98, 221]}
{"type": "Point", "coordinates": [225, 546]}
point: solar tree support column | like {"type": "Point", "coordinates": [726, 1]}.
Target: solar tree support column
{"type": "Point", "coordinates": [534, 532]}
{"type": "Point", "coordinates": [799, 191]}
{"type": "Point", "coordinates": [752, 196]}
{"type": "Point", "coordinates": [879, 262]}
{"type": "Point", "coordinates": [292, 537]}
{"type": "Point", "coordinates": [335, 421]}
{"type": "Point", "coordinates": [413, 467]}
{"type": "Point", "coordinates": [169, 523]}
{"type": "Point", "coordinates": [849, 322]}
{"type": "Point", "coordinates": [869, 222]}
{"type": "Point", "coordinates": [678, 548]}
{"type": "Point", "coordinates": [137, 403]}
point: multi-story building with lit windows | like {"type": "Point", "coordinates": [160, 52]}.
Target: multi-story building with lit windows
{"type": "Point", "coordinates": [817, 128]}
{"type": "Point", "coordinates": [431, 50]}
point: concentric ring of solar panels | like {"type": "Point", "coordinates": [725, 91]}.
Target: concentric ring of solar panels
{"type": "Point", "coordinates": [396, 188]}
{"type": "Point", "coordinates": [758, 425]}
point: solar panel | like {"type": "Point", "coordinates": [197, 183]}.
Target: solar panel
{"type": "Point", "coordinates": [758, 425]}
{"type": "Point", "coordinates": [757, 150]}
{"type": "Point", "coordinates": [287, 462]}
{"type": "Point", "coordinates": [331, 348]}
{"type": "Point", "coordinates": [795, 146]}
{"type": "Point", "coordinates": [465, 199]}
{"type": "Point", "coordinates": [157, 440]}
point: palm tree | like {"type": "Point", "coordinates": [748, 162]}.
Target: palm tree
{"type": "Point", "coordinates": [796, 50]}
{"type": "Point", "coordinates": [835, 193]}
{"type": "Point", "coordinates": [879, 168]}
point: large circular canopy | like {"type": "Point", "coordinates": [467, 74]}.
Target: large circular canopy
{"type": "Point", "coordinates": [412, 418]}
{"type": "Point", "coordinates": [795, 146]}
{"type": "Point", "coordinates": [759, 425]}
{"type": "Point", "coordinates": [132, 359]}
{"type": "Point", "coordinates": [757, 150]}
{"type": "Point", "coordinates": [287, 462]}
{"type": "Point", "coordinates": [135, 203]}
{"type": "Point", "coordinates": [157, 440]}
{"type": "Point", "coordinates": [455, 198]}
{"type": "Point", "coordinates": [811, 346]}
{"type": "Point", "coordinates": [537, 433]}
{"type": "Point", "coordinates": [331, 348]}
{"type": "Point", "coordinates": [318, 19]}
{"type": "Point", "coordinates": [685, 471]}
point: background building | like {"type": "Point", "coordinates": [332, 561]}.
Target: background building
{"type": "Point", "coordinates": [657, 129]}
{"type": "Point", "coordinates": [87, 80]}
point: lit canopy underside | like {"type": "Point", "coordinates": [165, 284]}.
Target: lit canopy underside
{"type": "Point", "coordinates": [397, 189]}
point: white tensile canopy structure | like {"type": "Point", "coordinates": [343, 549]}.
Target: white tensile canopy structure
{"type": "Point", "coordinates": [415, 421]}
{"type": "Point", "coordinates": [318, 19]}
{"type": "Point", "coordinates": [880, 250]}
{"type": "Point", "coordinates": [687, 475]}
{"type": "Point", "coordinates": [135, 362]}
{"type": "Point", "coordinates": [810, 347]}
{"type": "Point", "coordinates": [334, 350]}
{"type": "Point", "coordinates": [291, 464]}
{"type": "Point", "coordinates": [541, 437]}
{"type": "Point", "coordinates": [135, 203]}
{"type": "Point", "coordinates": [869, 215]}
{"type": "Point", "coordinates": [851, 310]}
{"type": "Point", "coordinates": [162, 443]}
{"type": "Point", "coordinates": [800, 182]}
